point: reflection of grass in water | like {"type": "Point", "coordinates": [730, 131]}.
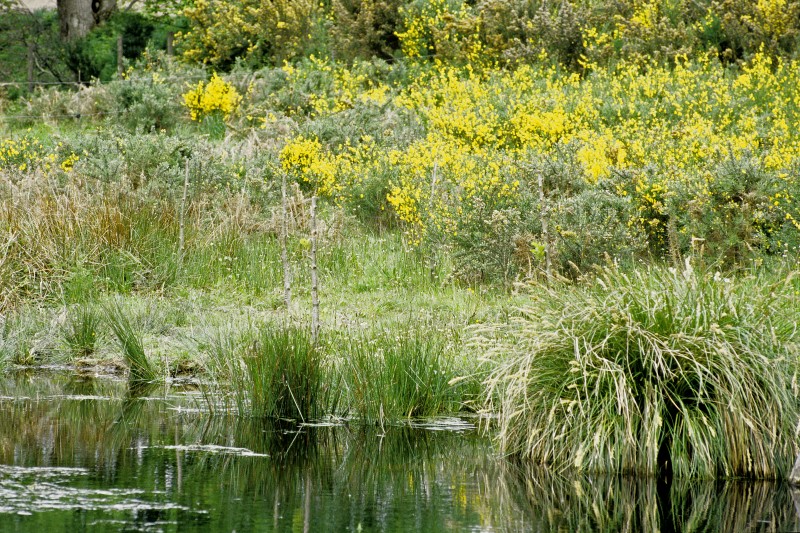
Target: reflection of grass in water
{"type": "Point", "coordinates": [29, 429]}
{"type": "Point", "coordinates": [373, 475]}
{"type": "Point", "coordinates": [357, 474]}
{"type": "Point", "coordinates": [608, 503]}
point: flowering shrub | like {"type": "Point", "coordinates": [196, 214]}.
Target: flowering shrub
{"type": "Point", "coordinates": [306, 160]}
{"type": "Point", "coordinates": [28, 153]}
{"type": "Point", "coordinates": [260, 31]}
{"type": "Point", "coordinates": [214, 97]}
{"type": "Point", "coordinates": [633, 158]}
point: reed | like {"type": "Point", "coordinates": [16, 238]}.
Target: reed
{"type": "Point", "coordinates": [656, 370]}
{"type": "Point", "coordinates": [281, 375]}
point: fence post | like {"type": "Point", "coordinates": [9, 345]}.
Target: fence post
{"type": "Point", "coordinates": [181, 238]}
{"type": "Point", "coordinates": [170, 37]}
{"type": "Point", "coordinates": [314, 278]}
{"type": "Point", "coordinates": [548, 261]}
{"type": "Point", "coordinates": [30, 67]}
{"type": "Point", "coordinates": [119, 56]}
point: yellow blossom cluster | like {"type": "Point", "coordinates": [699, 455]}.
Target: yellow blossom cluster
{"type": "Point", "coordinates": [305, 159]}
{"type": "Point", "coordinates": [28, 153]}
{"type": "Point", "coordinates": [336, 86]}
{"type": "Point", "coordinates": [214, 96]}
{"type": "Point", "coordinates": [684, 121]}
{"type": "Point", "coordinates": [655, 135]}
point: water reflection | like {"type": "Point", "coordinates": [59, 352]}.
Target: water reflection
{"type": "Point", "coordinates": [95, 455]}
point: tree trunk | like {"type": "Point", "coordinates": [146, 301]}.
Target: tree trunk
{"type": "Point", "coordinates": [78, 17]}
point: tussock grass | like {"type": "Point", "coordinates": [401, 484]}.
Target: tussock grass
{"type": "Point", "coordinates": [80, 333]}
{"type": "Point", "coordinates": [657, 369]}
{"type": "Point", "coordinates": [130, 342]}
{"type": "Point", "coordinates": [402, 375]}
{"type": "Point", "coordinates": [279, 374]}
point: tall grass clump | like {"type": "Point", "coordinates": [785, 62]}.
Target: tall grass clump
{"type": "Point", "coordinates": [659, 370]}
{"type": "Point", "coordinates": [130, 342]}
{"type": "Point", "coordinates": [281, 375]}
{"type": "Point", "coordinates": [80, 333]}
{"type": "Point", "coordinates": [402, 375]}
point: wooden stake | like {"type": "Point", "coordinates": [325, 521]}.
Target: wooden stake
{"type": "Point", "coordinates": [545, 230]}
{"type": "Point", "coordinates": [314, 278]}
{"type": "Point", "coordinates": [170, 37]}
{"type": "Point", "coordinates": [183, 212]}
{"type": "Point", "coordinates": [119, 56]}
{"type": "Point", "coordinates": [30, 68]}
{"type": "Point", "coordinates": [433, 262]}
{"type": "Point", "coordinates": [287, 273]}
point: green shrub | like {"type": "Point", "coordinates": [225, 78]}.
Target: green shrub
{"type": "Point", "coordinates": [655, 370]}
{"type": "Point", "coordinates": [142, 103]}
{"type": "Point", "coordinates": [592, 228]}
{"type": "Point", "coordinates": [257, 31]}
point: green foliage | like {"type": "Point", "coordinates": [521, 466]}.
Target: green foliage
{"type": "Point", "coordinates": [591, 228]}
{"type": "Point", "coordinates": [143, 103]}
{"type": "Point", "coordinates": [282, 376]}
{"type": "Point", "coordinates": [81, 331]}
{"type": "Point", "coordinates": [402, 374]}
{"type": "Point", "coordinates": [256, 31]}
{"type": "Point", "coordinates": [739, 215]}
{"type": "Point", "coordinates": [38, 29]}
{"type": "Point", "coordinates": [366, 28]}
{"type": "Point", "coordinates": [130, 343]}
{"type": "Point", "coordinates": [657, 369]}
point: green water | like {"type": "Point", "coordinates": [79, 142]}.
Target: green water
{"type": "Point", "coordinates": [86, 454]}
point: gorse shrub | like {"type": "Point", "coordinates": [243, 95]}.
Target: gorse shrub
{"type": "Point", "coordinates": [258, 31]}
{"type": "Point", "coordinates": [365, 28]}
{"type": "Point", "coordinates": [143, 103]}
{"type": "Point", "coordinates": [655, 370]}
{"type": "Point", "coordinates": [214, 96]}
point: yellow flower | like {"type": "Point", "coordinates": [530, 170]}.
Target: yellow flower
{"type": "Point", "coordinates": [215, 96]}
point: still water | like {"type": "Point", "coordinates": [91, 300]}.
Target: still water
{"type": "Point", "coordinates": [87, 454]}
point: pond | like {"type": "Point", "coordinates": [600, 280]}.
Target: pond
{"type": "Point", "coordinates": [89, 454]}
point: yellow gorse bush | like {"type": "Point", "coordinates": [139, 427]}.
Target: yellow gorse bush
{"type": "Point", "coordinates": [655, 131]}
{"type": "Point", "coordinates": [214, 96]}
{"type": "Point", "coordinates": [684, 120]}
{"type": "Point", "coordinates": [28, 153]}
{"type": "Point", "coordinates": [305, 159]}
